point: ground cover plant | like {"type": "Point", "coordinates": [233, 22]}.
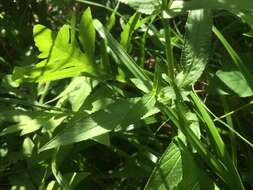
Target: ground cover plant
{"type": "Point", "coordinates": [125, 95]}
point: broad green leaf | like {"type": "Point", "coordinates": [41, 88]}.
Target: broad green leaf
{"type": "Point", "coordinates": [139, 84]}
{"type": "Point", "coordinates": [144, 6]}
{"type": "Point", "coordinates": [196, 50]}
{"type": "Point", "coordinates": [64, 60]}
{"type": "Point", "coordinates": [27, 125]}
{"type": "Point", "coordinates": [44, 39]}
{"type": "Point", "coordinates": [169, 172]}
{"type": "Point", "coordinates": [98, 105]}
{"type": "Point", "coordinates": [100, 97]}
{"type": "Point", "coordinates": [26, 122]}
{"type": "Point", "coordinates": [122, 113]}
{"type": "Point", "coordinates": [177, 170]}
{"type": "Point", "coordinates": [236, 82]}
{"type": "Point", "coordinates": [76, 92]}
{"type": "Point", "coordinates": [87, 34]}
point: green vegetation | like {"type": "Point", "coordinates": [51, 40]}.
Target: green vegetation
{"type": "Point", "coordinates": [126, 94]}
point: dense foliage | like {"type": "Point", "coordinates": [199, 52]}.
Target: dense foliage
{"type": "Point", "coordinates": [126, 94]}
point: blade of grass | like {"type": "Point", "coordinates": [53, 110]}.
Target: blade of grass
{"type": "Point", "coordinates": [218, 119]}
{"type": "Point", "coordinates": [234, 180]}
{"type": "Point", "coordinates": [231, 134]}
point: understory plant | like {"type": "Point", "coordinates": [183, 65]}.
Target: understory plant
{"type": "Point", "coordinates": [130, 94]}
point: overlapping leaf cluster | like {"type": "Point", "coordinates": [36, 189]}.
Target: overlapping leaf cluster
{"type": "Point", "coordinates": [92, 90]}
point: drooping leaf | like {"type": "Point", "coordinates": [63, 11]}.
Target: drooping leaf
{"type": "Point", "coordinates": [122, 113]}
{"type": "Point", "coordinates": [196, 50]}
{"type": "Point", "coordinates": [236, 82]}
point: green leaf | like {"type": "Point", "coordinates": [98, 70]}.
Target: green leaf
{"type": "Point", "coordinates": [144, 6]}
{"type": "Point", "coordinates": [236, 82]}
{"type": "Point", "coordinates": [28, 146]}
{"type": "Point", "coordinates": [76, 92]}
{"type": "Point", "coordinates": [177, 170]}
{"type": "Point", "coordinates": [63, 59]}
{"type": "Point", "coordinates": [122, 113]}
{"type": "Point", "coordinates": [87, 34]}
{"type": "Point", "coordinates": [169, 172]}
{"type": "Point", "coordinates": [196, 50]}
{"type": "Point", "coordinates": [44, 39]}
{"type": "Point", "coordinates": [26, 122]}
{"type": "Point", "coordinates": [128, 29]}
{"type": "Point", "coordinates": [81, 92]}
{"type": "Point", "coordinates": [26, 125]}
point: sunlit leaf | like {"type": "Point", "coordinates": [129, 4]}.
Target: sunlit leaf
{"type": "Point", "coordinates": [236, 82]}
{"type": "Point", "coordinates": [87, 34]}
{"type": "Point", "coordinates": [197, 44]}
{"type": "Point", "coordinates": [63, 60]}
{"type": "Point", "coordinates": [119, 114]}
